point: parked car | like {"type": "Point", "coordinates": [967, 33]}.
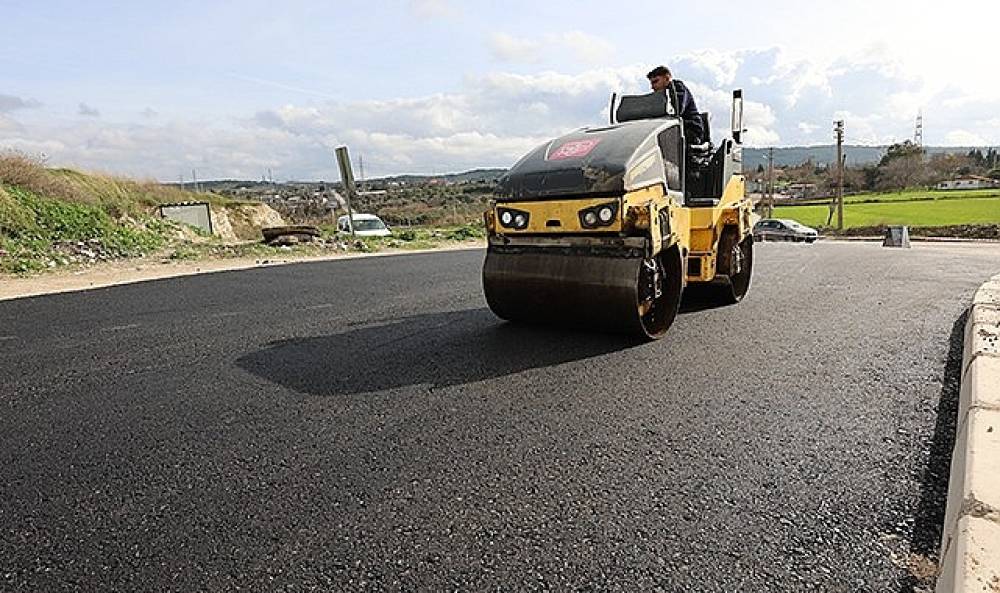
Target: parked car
{"type": "Point", "coordinates": [783, 229]}
{"type": "Point", "coordinates": [365, 225]}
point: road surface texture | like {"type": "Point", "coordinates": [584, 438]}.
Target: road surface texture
{"type": "Point", "coordinates": [370, 425]}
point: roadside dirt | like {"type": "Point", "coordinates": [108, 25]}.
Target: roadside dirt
{"type": "Point", "coordinates": [962, 231]}
{"type": "Point", "coordinates": [152, 268]}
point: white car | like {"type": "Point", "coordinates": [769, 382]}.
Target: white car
{"type": "Point", "coordinates": [783, 229]}
{"type": "Point", "coordinates": [365, 225]}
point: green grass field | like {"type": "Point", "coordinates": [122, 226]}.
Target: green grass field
{"type": "Point", "coordinates": [912, 195]}
{"type": "Point", "coordinates": [860, 211]}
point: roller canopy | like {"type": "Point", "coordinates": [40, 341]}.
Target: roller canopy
{"type": "Point", "coordinates": [606, 160]}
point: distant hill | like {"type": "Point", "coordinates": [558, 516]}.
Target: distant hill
{"type": "Point", "coordinates": [785, 156]}
{"type": "Point", "coordinates": [472, 176]}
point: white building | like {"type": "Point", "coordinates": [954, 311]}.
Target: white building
{"type": "Point", "coordinates": [969, 182]}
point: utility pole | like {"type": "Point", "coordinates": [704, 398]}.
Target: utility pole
{"type": "Point", "coordinates": [838, 128]}
{"type": "Point", "coordinates": [770, 182]}
{"type": "Point", "coordinates": [361, 166]}
{"type": "Point", "coordinates": [194, 176]}
{"type": "Point", "coordinates": [347, 178]}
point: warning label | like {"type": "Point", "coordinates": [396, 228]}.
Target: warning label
{"type": "Point", "coordinates": [573, 150]}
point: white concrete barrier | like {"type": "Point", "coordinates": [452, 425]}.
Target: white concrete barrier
{"type": "Point", "coordinates": [970, 542]}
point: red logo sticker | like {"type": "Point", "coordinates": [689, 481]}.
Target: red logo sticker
{"type": "Point", "coordinates": [573, 150]}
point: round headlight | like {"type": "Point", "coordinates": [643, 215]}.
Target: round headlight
{"type": "Point", "coordinates": [520, 220]}
{"type": "Point", "coordinates": [506, 217]}
{"type": "Point", "coordinates": [590, 218]}
{"type": "Point", "coordinates": [605, 214]}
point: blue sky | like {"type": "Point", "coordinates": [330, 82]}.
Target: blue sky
{"type": "Point", "coordinates": [156, 89]}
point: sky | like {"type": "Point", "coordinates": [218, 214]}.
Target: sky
{"type": "Point", "coordinates": [236, 89]}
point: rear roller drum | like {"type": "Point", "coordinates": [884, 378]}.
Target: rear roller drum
{"type": "Point", "coordinates": [736, 266]}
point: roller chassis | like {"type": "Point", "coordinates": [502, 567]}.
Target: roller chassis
{"type": "Point", "coordinates": [627, 273]}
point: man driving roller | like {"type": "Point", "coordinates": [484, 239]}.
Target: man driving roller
{"type": "Point", "coordinates": [660, 79]}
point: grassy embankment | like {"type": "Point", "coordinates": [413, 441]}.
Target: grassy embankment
{"type": "Point", "coordinates": [57, 217]}
{"type": "Point", "coordinates": [978, 210]}
{"type": "Point", "coordinates": [51, 218]}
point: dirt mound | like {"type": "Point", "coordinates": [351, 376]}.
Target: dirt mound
{"type": "Point", "coordinates": [243, 222]}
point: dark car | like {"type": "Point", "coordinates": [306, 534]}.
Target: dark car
{"type": "Point", "coordinates": [783, 229]}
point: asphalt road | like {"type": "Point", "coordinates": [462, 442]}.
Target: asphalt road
{"type": "Point", "coordinates": [369, 425]}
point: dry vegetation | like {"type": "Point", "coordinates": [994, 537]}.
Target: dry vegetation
{"type": "Point", "coordinates": [116, 195]}
{"type": "Point", "coordinates": [57, 217]}
{"type": "Point", "coordinates": [53, 217]}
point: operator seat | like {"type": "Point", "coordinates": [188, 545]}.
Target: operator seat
{"type": "Point", "coordinates": [704, 166]}
{"type": "Point", "coordinates": [705, 148]}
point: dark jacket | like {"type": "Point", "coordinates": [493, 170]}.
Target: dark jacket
{"type": "Point", "coordinates": [694, 131]}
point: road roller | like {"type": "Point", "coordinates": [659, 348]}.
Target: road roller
{"type": "Point", "coordinates": [605, 227]}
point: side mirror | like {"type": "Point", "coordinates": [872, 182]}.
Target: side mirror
{"type": "Point", "coordinates": [737, 121]}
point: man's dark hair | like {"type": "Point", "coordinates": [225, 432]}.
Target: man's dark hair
{"type": "Point", "coordinates": [659, 71]}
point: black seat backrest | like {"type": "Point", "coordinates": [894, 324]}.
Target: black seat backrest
{"type": "Point", "coordinates": [649, 106]}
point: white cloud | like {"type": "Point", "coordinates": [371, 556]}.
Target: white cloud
{"type": "Point", "coordinates": [720, 66]}
{"type": "Point", "coordinates": [8, 125]}
{"type": "Point", "coordinates": [10, 103]}
{"type": "Point", "coordinates": [495, 117]}
{"type": "Point", "coordinates": [964, 138]}
{"type": "Point", "coordinates": [88, 111]}
{"type": "Point", "coordinates": [586, 48]}
{"type": "Point", "coordinates": [434, 9]}
{"type": "Point", "coordinates": [508, 48]}
{"type": "Point", "coordinates": [559, 48]}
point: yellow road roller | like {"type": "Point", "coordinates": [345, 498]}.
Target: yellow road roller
{"type": "Point", "coordinates": [604, 227]}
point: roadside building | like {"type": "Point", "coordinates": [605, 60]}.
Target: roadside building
{"type": "Point", "coordinates": [802, 190]}
{"type": "Point", "coordinates": [969, 182]}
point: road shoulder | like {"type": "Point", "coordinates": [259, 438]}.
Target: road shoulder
{"type": "Point", "coordinates": [144, 269]}
{"type": "Point", "coordinates": [970, 543]}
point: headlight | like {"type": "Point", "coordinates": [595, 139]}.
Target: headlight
{"type": "Point", "coordinates": [513, 219]}
{"type": "Point", "coordinates": [598, 216]}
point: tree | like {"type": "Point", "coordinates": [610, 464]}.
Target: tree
{"type": "Point", "coordinates": [947, 166]}
{"type": "Point", "coordinates": [901, 150]}
{"type": "Point", "coordinates": [901, 173]}
{"type": "Point", "coordinates": [901, 167]}
{"type": "Point", "coordinates": [871, 177]}
{"type": "Point", "coordinates": [977, 158]}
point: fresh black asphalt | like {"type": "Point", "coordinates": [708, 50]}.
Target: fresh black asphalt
{"type": "Point", "coordinates": [370, 425]}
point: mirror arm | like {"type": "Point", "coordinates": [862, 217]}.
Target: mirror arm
{"type": "Point", "coordinates": [737, 116]}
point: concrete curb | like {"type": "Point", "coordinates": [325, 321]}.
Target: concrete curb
{"type": "Point", "coordinates": [970, 543]}
{"type": "Point", "coordinates": [920, 238]}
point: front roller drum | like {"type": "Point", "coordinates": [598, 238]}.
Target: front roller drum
{"type": "Point", "coordinates": [605, 293]}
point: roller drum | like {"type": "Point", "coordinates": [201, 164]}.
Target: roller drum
{"type": "Point", "coordinates": [586, 291]}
